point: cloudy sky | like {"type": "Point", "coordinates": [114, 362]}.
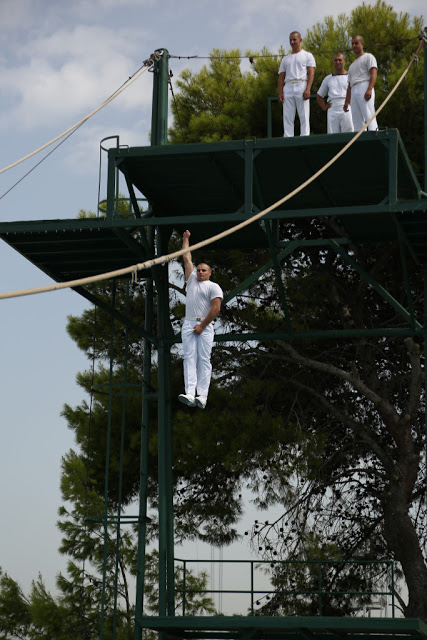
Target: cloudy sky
{"type": "Point", "coordinates": [59, 60]}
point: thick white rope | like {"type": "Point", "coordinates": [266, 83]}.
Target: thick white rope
{"type": "Point", "coordinates": [176, 254]}
{"type": "Point", "coordinates": [80, 122]}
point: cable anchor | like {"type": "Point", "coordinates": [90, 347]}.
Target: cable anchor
{"type": "Point", "coordinates": [148, 62]}
{"type": "Point", "coordinates": [154, 57]}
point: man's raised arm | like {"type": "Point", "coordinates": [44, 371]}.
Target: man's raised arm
{"type": "Point", "coordinates": [188, 263]}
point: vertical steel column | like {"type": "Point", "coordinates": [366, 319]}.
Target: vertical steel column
{"type": "Point", "coordinates": [111, 184]}
{"type": "Point", "coordinates": [166, 517]}
{"type": "Point", "coordinates": [166, 532]}
{"type": "Point", "coordinates": [425, 110]}
{"type": "Point", "coordinates": [143, 468]}
{"type": "Point", "coordinates": [159, 117]}
{"type": "Point", "coordinates": [107, 470]}
{"type": "Point", "coordinates": [249, 176]}
{"type": "Point", "coordinates": [122, 446]}
{"type": "Point", "coordinates": [159, 131]}
{"type": "Point", "coordinates": [159, 121]}
{"type": "Point", "coordinates": [392, 167]}
{"type": "Point", "coordinates": [425, 266]}
{"type": "Point", "coordinates": [269, 118]}
{"type": "Point", "coordinates": [425, 377]}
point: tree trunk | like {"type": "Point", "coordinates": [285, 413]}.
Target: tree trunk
{"type": "Point", "coordinates": [403, 542]}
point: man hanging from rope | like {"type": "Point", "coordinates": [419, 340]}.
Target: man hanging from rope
{"type": "Point", "coordinates": [202, 305]}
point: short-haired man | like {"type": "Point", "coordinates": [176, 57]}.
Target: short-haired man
{"type": "Point", "coordinates": [296, 74]}
{"type": "Point", "coordinates": [362, 75]}
{"type": "Point", "coordinates": [335, 87]}
{"type": "Point", "coordinates": [202, 305]}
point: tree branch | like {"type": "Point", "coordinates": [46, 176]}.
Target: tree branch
{"type": "Point", "coordinates": [383, 407]}
{"type": "Point", "coordinates": [416, 377]}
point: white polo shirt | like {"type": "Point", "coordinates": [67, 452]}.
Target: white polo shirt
{"type": "Point", "coordinates": [295, 65]}
{"type": "Point", "coordinates": [335, 87]}
{"type": "Point", "coordinates": [359, 70]}
{"type": "Point", "coordinates": [199, 296]}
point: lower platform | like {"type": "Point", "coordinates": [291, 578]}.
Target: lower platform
{"type": "Point", "coordinates": [289, 628]}
{"type": "Point", "coordinates": [71, 249]}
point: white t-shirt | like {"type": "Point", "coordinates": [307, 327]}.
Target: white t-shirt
{"type": "Point", "coordinates": [199, 296]}
{"type": "Point", "coordinates": [335, 87]}
{"type": "Point", "coordinates": [295, 65]}
{"type": "Point", "coordinates": [359, 70]}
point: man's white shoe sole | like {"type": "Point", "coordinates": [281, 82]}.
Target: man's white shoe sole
{"type": "Point", "coordinates": [183, 398]}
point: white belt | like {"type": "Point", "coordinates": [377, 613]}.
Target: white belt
{"type": "Point", "coordinates": [194, 319]}
{"type": "Point", "coordinates": [293, 81]}
{"type": "Point", "coordinates": [359, 82]}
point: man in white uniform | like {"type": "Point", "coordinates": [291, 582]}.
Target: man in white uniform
{"type": "Point", "coordinates": [362, 75]}
{"type": "Point", "coordinates": [296, 74]}
{"type": "Point", "coordinates": [335, 87]}
{"type": "Point", "coordinates": [202, 306]}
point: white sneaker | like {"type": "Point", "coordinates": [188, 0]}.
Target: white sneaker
{"type": "Point", "coordinates": [187, 398]}
{"type": "Point", "coordinates": [201, 401]}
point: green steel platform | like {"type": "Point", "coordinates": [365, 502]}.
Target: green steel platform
{"type": "Point", "coordinates": [71, 249]}
{"type": "Point", "coordinates": [211, 187]}
{"type": "Point", "coordinates": [248, 175]}
{"type": "Point", "coordinates": [287, 628]}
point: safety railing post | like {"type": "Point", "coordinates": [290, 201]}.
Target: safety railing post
{"type": "Point", "coordinates": [184, 577]}
{"type": "Point", "coordinates": [252, 588]}
{"type": "Point", "coordinates": [392, 589]}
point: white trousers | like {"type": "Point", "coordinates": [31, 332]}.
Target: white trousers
{"type": "Point", "coordinates": [362, 110]}
{"type": "Point", "coordinates": [293, 102]}
{"type": "Point", "coordinates": [197, 358]}
{"type": "Point", "coordinates": [339, 121]}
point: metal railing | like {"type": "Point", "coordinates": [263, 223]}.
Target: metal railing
{"type": "Point", "coordinates": [122, 206]}
{"type": "Point", "coordinates": [383, 567]}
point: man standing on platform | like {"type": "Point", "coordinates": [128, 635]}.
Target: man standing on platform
{"type": "Point", "coordinates": [335, 87]}
{"type": "Point", "coordinates": [296, 74]}
{"type": "Point", "coordinates": [202, 306]}
{"type": "Point", "coordinates": [362, 76]}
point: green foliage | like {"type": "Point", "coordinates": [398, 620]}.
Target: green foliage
{"type": "Point", "coordinates": [15, 614]}
{"type": "Point", "coordinates": [392, 38]}
{"type": "Point", "coordinates": [38, 617]}
{"type": "Point", "coordinates": [83, 213]}
{"type": "Point", "coordinates": [222, 102]}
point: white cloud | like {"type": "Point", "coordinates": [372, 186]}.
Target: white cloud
{"type": "Point", "coordinates": [89, 7]}
{"type": "Point", "coordinates": [70, 73]}
{"type": "Point", "coordinates": [14, 14]}
{"type": "Point", "coordinates": [92, 42]}
{"type": "Point", "coordinates": [44, 16]}
{"type": "Point", "coordinates": [248, 17]}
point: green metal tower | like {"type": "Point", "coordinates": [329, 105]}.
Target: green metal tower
{"type": "Point", "coordinates": [208, 188]}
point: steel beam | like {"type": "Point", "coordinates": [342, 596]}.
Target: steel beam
{"type": "Point", "coordinates": [404, 313]}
